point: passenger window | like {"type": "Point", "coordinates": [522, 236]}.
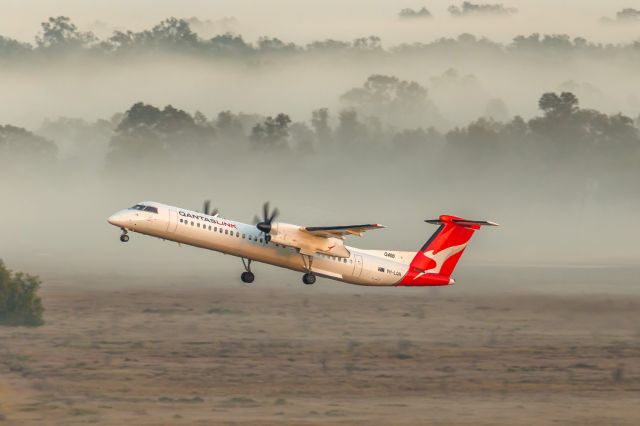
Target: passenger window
{"type": "Point", "coordinates": [226, 231]}
{"type": "Point", "coordinates": [198, 225]}
{"type": "Point", "coordinates": [191, 223]}
{"type": "Point", "coordinates": [261, 240]}
{"type": "Point", "coordinates": [180, 220]}
{"type": "Point", "coordinates": [243, 236]}
{"type": "Point", "coordinates": [215, 228]}
{"type": "Point", "coordinates": [209, 227]}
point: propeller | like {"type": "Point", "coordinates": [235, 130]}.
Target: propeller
{"type": "Point", "coordinates": [206, 208]}
{"type": "Point", "coordinates": [264, 224]}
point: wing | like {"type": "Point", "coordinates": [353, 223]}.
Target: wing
{"type": "Point", "coordinates": [341, 231]}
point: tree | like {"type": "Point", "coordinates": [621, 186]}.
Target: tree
{"type": "Point", "coordinates": [328, 45]}
{"type": "Point", "coordinates": [368, 44]}
{"type": "Point", "coordinates": [19, 301]}
{"type": "Point", "coordinates": [140, 114]}
{"type": "Point", "coordinates": [271, 133]}
{"type": "Point", "coordinates": [302, 137]}
{"type": "Point", "coordinates": [410, 139]}
{"type": "Point", "coordinates": [229, 126]}
{"type": "Point", "coordinates": [228, 44]}
{"type": "Point", "coordinates": [629, 15]}
{"type": "Point", "coordinates": [61, 33]}
{"type": "Point", "coordinates": [480, 140]}
{"type": "Point", "coordinates": [398, 102]}
{"type": "Point", "coordinates": [147, 132]}
{"type": "Point", "coordinates": [19, 147]}
{"type": "Point", "coordinates": [409, 13]}
{"type": "Point", "coordinates": [275, 45]}
{"type": "Point", "coordinates": [555, 106]}
{"type": "Point", "coordinates": [174, 33]}
{"type": "Point", "coordinates": [469, 8]}
{"type": "Point", "coordinates": [350, 130]}
{"type": "Point", "coordinates": [320, 124]}
{"type": "Point", "coordinates": [9, 46]}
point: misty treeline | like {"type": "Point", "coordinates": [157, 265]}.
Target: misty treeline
{"type": "Point", "coordinates": [466, 8]}
{"type": "Point", "coordinates": [59, 37]}
{"type": "Point", "coordinates": [624, 16]}
{"type": "Point", "coordinates": [386, 120]}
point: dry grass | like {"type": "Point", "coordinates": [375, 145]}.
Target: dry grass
{"type": "Point", "coordinates": [165, 355]}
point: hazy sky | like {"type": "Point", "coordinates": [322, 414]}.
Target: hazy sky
{"type": "Point", "coordinates": [541, 224]}
{"type": "Point", "coordinates": [302, 21]}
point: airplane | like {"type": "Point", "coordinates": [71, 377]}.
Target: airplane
{"type": "Point", "coordinates": [313, 250]}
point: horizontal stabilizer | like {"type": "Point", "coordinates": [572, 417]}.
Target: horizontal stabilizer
{"type": "Point", "coordinates": [462, 222]}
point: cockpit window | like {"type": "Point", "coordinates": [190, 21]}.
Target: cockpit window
{"type": "Point", "coordinates": [142, 207]}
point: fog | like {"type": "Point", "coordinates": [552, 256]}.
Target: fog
{"type": "Point", "coordinates": [453, 126]}
{"type": "Point", "coordinates": [303, 22]}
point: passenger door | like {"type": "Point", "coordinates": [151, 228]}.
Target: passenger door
{"type": "Point", "coordinates": [172, 224]}
{"type": "Point", "coordinates": [357, 268]}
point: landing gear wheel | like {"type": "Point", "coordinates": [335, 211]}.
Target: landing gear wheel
{"type": "Point", "coordinates": [124, 238]}
{"type": "Point", "coordinates": [247, 276]}
{"type": "Point", "coordinates": [308, 279]}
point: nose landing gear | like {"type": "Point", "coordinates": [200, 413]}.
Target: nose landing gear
{"type": "Point", "coordinates": [247, 276]}
{"type": "Point", "coordinates": [124, 237]}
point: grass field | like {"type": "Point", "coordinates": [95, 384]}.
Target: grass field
{"type": "Point", "coordinates": [165, 352]}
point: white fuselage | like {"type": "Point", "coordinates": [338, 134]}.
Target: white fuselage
{"type": "Point", "coordinates": [364, 267]}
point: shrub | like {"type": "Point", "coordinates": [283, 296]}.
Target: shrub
{"type": "Point", "coordinates": [19, 302]}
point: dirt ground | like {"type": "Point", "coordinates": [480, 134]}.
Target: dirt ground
{"type": "Point", "coordinates": [170, 352]}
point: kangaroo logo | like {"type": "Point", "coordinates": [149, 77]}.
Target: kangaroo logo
{"type": "Point", "coordinates": [440, 258]}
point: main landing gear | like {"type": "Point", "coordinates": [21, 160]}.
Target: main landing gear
{"type": "Point", "coordinates": [124, 237]}
{"type": "Point", "coordinates": [308, 278]}
{"type": "Point", "coordinates": [247, 276]}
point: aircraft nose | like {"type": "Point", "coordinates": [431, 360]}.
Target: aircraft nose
{"type": "Point", "coordinates": [118, 219]}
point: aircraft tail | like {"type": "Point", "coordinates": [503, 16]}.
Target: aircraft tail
{"type": "Point", "coordinates": [435, 261]}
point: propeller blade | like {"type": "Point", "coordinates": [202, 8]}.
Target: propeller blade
{"type": "Point", "coordinates": [207, 205]}
{"type": "Point", "coordinates": [264, 225]}
{"type": "Point", "coordinates": [214, 211]}
{"type": "Point", "coordinates": [274, 215]}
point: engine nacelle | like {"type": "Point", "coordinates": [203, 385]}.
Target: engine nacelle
{"type": "Point", "coordinates": [295, 236]}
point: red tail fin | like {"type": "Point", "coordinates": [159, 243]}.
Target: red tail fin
{"type": "Point", "coordinates": [434, 263]}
